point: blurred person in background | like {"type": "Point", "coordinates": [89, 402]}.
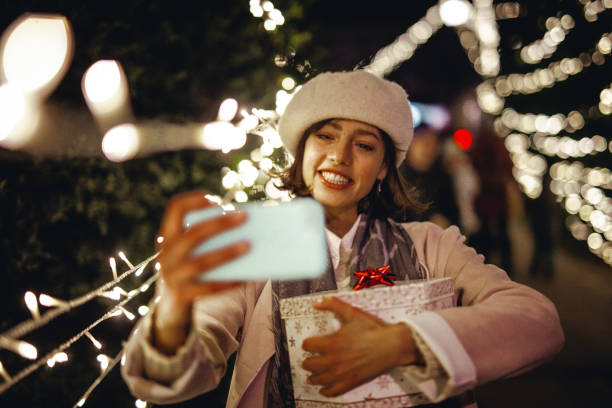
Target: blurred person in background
{"type": "Point", "coordinates": [446, 178]}
{"type": "Point", "coordinates": [494, 167]}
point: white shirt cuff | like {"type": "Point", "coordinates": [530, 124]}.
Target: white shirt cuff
{"type": "Point", "coordinates": [450, 353]}
{"type": "Point", "coordinates": [160, 367]}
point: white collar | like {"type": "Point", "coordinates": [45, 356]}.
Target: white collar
{"type": "Point", "coordinates": [338, 246]}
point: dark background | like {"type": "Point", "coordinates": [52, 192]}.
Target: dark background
{"type": "Point", "coordinates": [63, 216]}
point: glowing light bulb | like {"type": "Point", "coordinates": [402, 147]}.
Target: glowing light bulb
{"type": "Point", "coordinates": [288, 83]}
{"type": "Point", "coordinates": [143, 310]}
{"type": "Point", "coordinates": [26, 350]}
{"type": "Point", "coordinates": [13, 109]}
{"type": "Point", "coordinates": [104, 360]}
{"type": "Point", "coordinates": [227, 110]}
{"type": "Point", "coordinates": [61, 357]}
{"type": "Point", "coordinates": [121, 142]}
{"type": "Point", "coordinates": [95, 342]}
{"type": "Point", "coordinates": [127, 313]}
{"type": "Point", "coordinates": [248, 123]}
{"type": "Point", "coordinates": [32, 304]}
{"type": "Point", "coordinates": [125, 259]}
{"type": "Point", "coordinates": [230, 180]}
{"type": "Point", "coordinates": [222, 136]}
{"type": "Point", "coordinates": [241, 197]}
{"type": "Point", "coordinates": [113, 294]}
{"type": "Point", "coordinates": [37, 52]}
{"type": "Point", "coordinates": [270, 25]}
{"type": "Point", "coordinates": [105, 87]}
{"type": "Point", "coordinates": [594, 241]}
{"type": "Point", "coordinates": [140, 270]}
{"type": "Point", "coordinates": [49, 301]}
{"type": "Point", "coordinates": [113, 265]}
{"type": "Point", "coordinates": [455, 12]}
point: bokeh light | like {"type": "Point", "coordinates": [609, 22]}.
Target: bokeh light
{"type": "Point", "coordinates": [463, 138]}
{"type": "Point", "coordinates": [37, 52]}
{"type": "Point", "coordinates": [105, 87]}
{"type": "Point", "coordinates": [455, 12]}
{"type": "Point", "coordinates": [121, 142]}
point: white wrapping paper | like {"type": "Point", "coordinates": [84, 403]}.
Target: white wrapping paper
{"type": "Point", "coordinates": [390, 303]}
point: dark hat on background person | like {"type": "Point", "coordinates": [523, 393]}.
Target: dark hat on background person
{"type": "Point", "coordinates": [357, 95]}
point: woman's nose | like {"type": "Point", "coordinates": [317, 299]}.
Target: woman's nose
{"type": "Point", "coordinates": [340, 154]}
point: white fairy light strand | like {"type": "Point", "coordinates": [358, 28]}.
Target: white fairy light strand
{"type": "Point", "coordinates": [402, 49]}
{"type": "Point", "coordinates": [545, 47]}
{"type": "Point", "coordinates": [266, 10]}
{"type": "Point", "coordinates": [27, 326]}
{"type": "Point", "coordinates": [584, 198]}
{"type": "Point", "coordinates": [593, 8]}
{"type": "Point", "coordinates": [556, 72]}
{"type": "Point", "coordinates": [111, 364]}
{"type": "Point", "coordinates": [43, 360]}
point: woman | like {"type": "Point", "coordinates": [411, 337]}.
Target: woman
{"type": "Point", "coordinates": [348, 132]}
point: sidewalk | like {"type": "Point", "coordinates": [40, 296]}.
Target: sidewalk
{"type": "Point", "coordinates": [581, 375]}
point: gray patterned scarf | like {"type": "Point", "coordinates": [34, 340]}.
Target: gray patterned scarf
{"type": "Point", "coordinates": [376, 243]}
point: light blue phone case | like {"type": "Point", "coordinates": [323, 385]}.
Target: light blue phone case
{"type": "Point", "coordinates": [287, 242]}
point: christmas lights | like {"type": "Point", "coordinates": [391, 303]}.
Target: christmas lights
{"type": "Point", "coordinates": [581, 190]}
{"type": "Point", "coordinates": [558, 28]}
{"type": "Point", "coordinates": [30, 352]}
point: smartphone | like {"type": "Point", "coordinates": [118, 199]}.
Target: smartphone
{"type": "Point", "coordinates": [287, 241]}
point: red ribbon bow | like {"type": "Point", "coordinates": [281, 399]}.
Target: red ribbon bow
{"type": "Point", "coordinates": [374, 276]}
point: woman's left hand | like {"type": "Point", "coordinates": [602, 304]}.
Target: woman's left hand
{"type": "Point", "coordinates": [364, 348]}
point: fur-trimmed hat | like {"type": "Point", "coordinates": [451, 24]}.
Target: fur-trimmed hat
{"type": "Point", "coordinates": [357, 95]}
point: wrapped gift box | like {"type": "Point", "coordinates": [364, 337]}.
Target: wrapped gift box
{"type": "Point", "coordinates": [390, 303]}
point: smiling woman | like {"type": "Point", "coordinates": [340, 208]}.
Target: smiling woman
{"type": "Point", "coordinates": [341, 163]}
{"type": "Point", "coordinates": [348, 132]}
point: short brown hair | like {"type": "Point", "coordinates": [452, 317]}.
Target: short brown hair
{"type": "Point", "coordinates": [397, 199]}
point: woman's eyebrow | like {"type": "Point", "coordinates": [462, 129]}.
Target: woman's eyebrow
{"type": "Point", "coordinates": [356, 132]}
{"type": "Point", "coordinates": [364, 132]}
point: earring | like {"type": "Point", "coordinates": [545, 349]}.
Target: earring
{"type": "Point", "coordinates": [379, 188]}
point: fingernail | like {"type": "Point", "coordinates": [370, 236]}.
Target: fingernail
{"type": "Point", "coordinates": [243, 246]}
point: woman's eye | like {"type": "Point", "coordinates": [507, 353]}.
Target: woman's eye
{"type": "Point", "coordinates": [365, 147]}
{"type": "Point", "coordinates": [323, 136]}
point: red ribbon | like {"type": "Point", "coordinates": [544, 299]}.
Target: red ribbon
{"type": "Point", "coordinates": [374, 276]}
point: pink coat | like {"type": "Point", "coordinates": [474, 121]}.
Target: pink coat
{"type": "Point", "coordinates": [505, 328]}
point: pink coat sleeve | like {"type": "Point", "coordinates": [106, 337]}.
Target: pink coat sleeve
{"type": "Point", "coordinates": [505, 327]}
{"type": "Point", "coordinates": [200, 364]}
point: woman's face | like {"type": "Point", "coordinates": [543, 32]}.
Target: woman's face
{"type": "Point", "coordinates": [342, 160]}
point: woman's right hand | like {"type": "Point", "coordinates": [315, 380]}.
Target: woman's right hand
{"type": "Point", "coordinates": [180, 272]}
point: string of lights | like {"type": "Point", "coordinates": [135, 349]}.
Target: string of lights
{"type": "Point", "coordinates": [583, 193]}
{"type": "Point", "coordinates": [389, 57]}
{"type": "Point", "coordinates": [558, 71]}
{"type": "Point", "coordinates": [266, 10]}
{"type": "Point", "coordinates": [115, 310]}
{"type": "Point", "coordinates": [109, 367]}
{"type": "Point", "coordinates": [545, 47]}
{"type": "Point", "coordinates": [593, 8]}
{"type": "Point", "coordinates": [581, 190]}
{"type": "Point", "coordinates": [62, 307]}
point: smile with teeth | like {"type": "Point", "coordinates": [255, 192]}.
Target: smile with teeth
{"type": "Point", "coordinates": [334, 180]}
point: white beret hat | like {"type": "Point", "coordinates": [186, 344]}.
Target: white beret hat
{"type": "Point", "coordinates": [357, 95]}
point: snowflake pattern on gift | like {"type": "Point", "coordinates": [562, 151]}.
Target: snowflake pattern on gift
{"type": "Point", "coordinates": [390, 304]}
{"type": "Point", "coordinates": [298, 327]}
{"type": "Point", "coordinates": [383, 382]}
{"type": "Point", "coordinates": [321, 325]}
